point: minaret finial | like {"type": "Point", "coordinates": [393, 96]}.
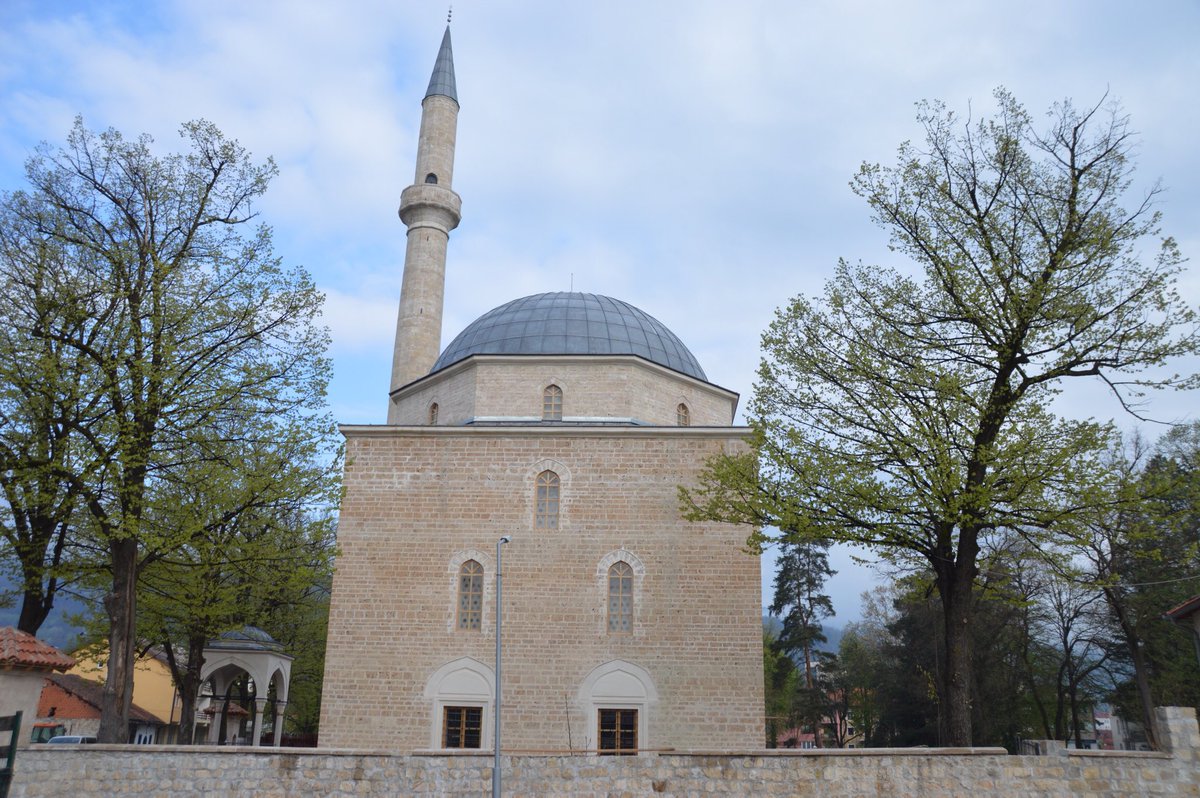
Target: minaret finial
{"type": "Point", "coordinates": [449, 13]}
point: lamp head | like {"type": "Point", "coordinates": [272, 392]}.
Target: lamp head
{"type": "Point", "coordinates": [506, 539]}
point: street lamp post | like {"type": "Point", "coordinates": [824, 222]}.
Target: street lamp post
{"type": "Point", "coordinates": [496, 710]}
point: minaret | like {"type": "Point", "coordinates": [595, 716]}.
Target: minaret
{"type": "Point", "coordinates": [430, 210]}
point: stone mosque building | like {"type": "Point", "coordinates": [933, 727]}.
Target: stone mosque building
{"type": "Point", "coordinates": [565, 421]}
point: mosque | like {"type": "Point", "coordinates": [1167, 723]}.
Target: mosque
{"type": "Point", "coordinates": [564, 422]}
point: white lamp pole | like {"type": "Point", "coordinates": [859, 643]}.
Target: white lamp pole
{"type": "Point", "coordinates": [496, 711]}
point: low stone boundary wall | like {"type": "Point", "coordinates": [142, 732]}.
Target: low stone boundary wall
{"type": "Point", "coordinates": [111, 771]}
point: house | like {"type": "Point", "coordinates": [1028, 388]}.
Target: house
{"type": "Point", "coordinates": [24, 663]}
{"type": "Point", "coordinates": [74, 702]}
{"type": "Point", "coordinates": [153, 688]}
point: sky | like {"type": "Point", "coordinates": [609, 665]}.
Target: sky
{"type": "Point", "coordinates": [691, 157]}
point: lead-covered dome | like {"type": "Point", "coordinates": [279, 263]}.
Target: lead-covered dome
{"type": "Point", "coordinates": [563, 323]}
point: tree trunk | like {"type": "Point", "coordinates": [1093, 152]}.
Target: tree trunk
{"type": "Point", "coordinates": [190, 688]}
{"type": "Point", "coordinates": [121, 605]}
{"type": "Point", "coordinates": [187, 682]}
{"type": "Point", "coordinates": [35, 607]}
{"type": "Point", "coordinates": [1141, 676]}
{"type": "Point", "coordinates": [955, 592]}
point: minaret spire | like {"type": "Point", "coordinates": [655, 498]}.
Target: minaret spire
{"type": "Point", "coordinates": [430, 209]}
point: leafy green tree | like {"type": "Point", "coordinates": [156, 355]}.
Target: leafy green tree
{"type": "Point", "coordinates": [799, 602]}
{"type": "Point", "coordinates": [259, 544]}
{"type": "Point", "coordinates": [1062, 645]}
{"type": "Point", "coordinates": [860, 668]}
{"type": "Point", "coordinates": [301, 627]}
{"type": "Point", "coordinates": [1143, 555]}
{"type": "Point", "coordinates": [780, 681]}
{"type": "Point", "coordinates": [911, 414]}
{"type": "Point", "coordinates": [44, 399]}
{"type": "Point", "coordinates": [179, 317]}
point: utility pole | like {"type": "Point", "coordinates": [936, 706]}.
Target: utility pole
{"type": "Point", "coordinates": [496, 710]}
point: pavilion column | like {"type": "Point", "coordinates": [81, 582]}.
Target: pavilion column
{"type": "Point", "coordinates": [277, 725]}
{"type": "Point", "coordinates": [218, 700]}
{"type": "Point", "coordinates": [260, 704]}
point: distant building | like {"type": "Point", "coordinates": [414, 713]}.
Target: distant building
{"type": "Point", "coordinates": [24, 663]}
{"type": "Point", "coordinates": [74, 702]}
{"type": "Point", "coordinates": [566, 421]}
{"type": "Point", "coordinates": [153, 687]}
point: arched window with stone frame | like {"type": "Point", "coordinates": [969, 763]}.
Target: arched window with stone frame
{"type": "Point", "coordinates": [620, 598]}
{"type": "Point", "coordinates": [547, 495]}
{"type": "Point", "coordinates": [552, 403]}
{"type": "Point", "coordinates": [470, 597]}
{"type": "Point", "coordinates": [620, 579]}
{"type": "Point", "coordinates": [683, 416]}
{"type": "Point", "coordinates": [433, 413]}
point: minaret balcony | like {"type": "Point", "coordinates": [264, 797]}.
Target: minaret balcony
{"type": "Point", "coordinates": [428, 204]}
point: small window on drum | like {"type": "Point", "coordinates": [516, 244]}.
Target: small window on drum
{"type": "Point", "coordinates": [431, 179]}
{"type": "Point", "coordinates": [552, 399]}
{"type": "Point", "coordinates": [683, 416]}
{"type": "Point", "coordinates": [433, 413]}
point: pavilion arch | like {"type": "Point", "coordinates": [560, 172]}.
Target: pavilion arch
{"type": "Point", "coordinates": [618, 684]}
{"type": "Point", "coordinates": [461, 682]}
{"type": "Point", "coordinates": [251, 651]}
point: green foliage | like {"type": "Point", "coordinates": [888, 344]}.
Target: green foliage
{"type": "Point", "coordinates": [258, 552]}
{"type": "Point", "coordinates": [796, 697]}
{"type": "Point", "coordinates": [799, 602]}
{"type": "Point", "coordinates": [176, 345]}
{"type": "Point", "coordinates": [780, 681]}
{"type": "Point", "coordinates": [911, 414]}
{"type": "Point", "coordinates": [1142, 553]}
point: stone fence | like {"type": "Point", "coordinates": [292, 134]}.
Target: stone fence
{"type": "Point", "coordinates": [113, 771]}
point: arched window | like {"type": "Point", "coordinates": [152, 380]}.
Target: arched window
{"type": "Point", "coordinates": [620, 598]}
{"type": "Point", "coordinates": [552, 403]}
{"type": "Point", "coordinates": [618, 698]}
{"type": "Point", "coordinates": [470, 596]}
{"type": "Point", "coordinates": [461, 695]}
{"type": "Point", "coordinates": [546, 512]}
{"type": "Point", "coordinates": [431, 179]}
{"type": "Point", "coordinates": [683, 416]}
{"type": "Point", "coordinates": [433, 413]}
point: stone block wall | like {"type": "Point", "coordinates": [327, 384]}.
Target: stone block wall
{"type": "Point", "coordinates": [421, 501]}
{"type": "Point", "coordinates": [621, 387]}
{"type": "Point", "coordinates": [113, 771]}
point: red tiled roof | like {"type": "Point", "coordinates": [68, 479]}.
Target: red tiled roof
{"type": "Point", "coordinates": [234, 709]}
{"type": "Point", "coordinates": [92, 693]}
{"type": "Point", "coordinates": [22, 650]}
{"type": "Point", "coordinates": [1184, 610]}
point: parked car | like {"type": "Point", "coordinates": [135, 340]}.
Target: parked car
{"type": "Point", "coordinates": [71, 739]}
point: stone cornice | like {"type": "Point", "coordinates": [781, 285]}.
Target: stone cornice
{"type": "Point", "coordinates": [484, 360]}
{"type": "Point", "coordinates": [538, 430]}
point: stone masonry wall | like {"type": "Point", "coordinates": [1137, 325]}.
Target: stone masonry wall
{"type": "Point", "coordinates": [114, 771]}
{"type": "Point", "coordinates": [421, 500]}
{"type": "Point", "coordinates": [593, 387]}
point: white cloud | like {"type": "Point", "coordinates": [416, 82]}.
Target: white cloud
{"type": "Point", "coordinates": [690, 157]}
